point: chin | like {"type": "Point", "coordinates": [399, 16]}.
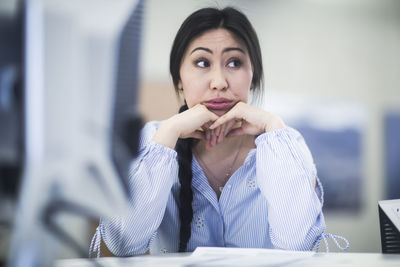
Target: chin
{"type": "Point", "coordinates": [219, 112]}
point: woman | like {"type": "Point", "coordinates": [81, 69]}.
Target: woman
{"type": "Point", "coordinates": [221, 172]}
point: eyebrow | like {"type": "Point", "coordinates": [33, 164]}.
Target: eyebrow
{"type": "Point", "coordinates": [224, 51]}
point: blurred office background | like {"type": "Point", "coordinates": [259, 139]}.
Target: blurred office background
{"type": "Point", "coordinates": [332, 71]}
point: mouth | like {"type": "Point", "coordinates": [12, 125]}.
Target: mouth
{"type": "Point", "coordinates": [219, 103]}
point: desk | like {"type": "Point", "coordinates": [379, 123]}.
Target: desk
{"type": "Point", "coordinates": [242, 257]}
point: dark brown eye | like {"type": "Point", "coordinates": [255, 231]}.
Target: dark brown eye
{"type": "Point", "coordinates": [202, 63]}
{"type": "Point", "coordinates": [235, 63]}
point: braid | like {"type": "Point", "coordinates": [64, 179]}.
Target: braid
{"type": "Point", "coordinates": [184, 150]}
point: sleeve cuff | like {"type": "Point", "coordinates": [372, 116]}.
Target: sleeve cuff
{"type": "Point", "coordinates": [156, 147]}
{"type": "Point", "coordinates": [267, 136]}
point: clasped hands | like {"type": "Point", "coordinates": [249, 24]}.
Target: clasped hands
{"type": "Point", "coordinates": [242, 119]}
{"type": "Point", "coordinates": [200, 123]}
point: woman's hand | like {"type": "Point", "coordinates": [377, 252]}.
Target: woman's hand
{"type": "Point", "coordinates": [192, 123]}
{"type": "Point", "coordinates": [245, 119]}
{"type": "Point", "coordinates": [200, 123]}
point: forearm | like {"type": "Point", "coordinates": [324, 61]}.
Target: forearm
{"type": "Point", "coordinates": [151, 179]}
{"type": "Point", "coordinates": [286, 173]}
{"type": "Point", "coordinates": [168, 133]}
{"type": "Point", "coordinates": [296, 220]}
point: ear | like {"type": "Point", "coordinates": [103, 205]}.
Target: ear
{"type": "Point", "coordinates": [180, 85]}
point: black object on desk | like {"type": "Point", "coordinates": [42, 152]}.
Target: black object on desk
{"type": "Point", "coordinates": [389, 219]}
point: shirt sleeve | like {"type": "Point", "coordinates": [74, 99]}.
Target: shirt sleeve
{"type": "Point", "coordinates": [285, 173]}
{"type": "Point", "coordinates": [151, 178]}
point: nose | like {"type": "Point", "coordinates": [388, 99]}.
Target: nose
{"type": "Point", "coordinates": [218, 80]}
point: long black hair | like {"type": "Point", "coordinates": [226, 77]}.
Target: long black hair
{"type": "Point", "coordinates": [196, 24]}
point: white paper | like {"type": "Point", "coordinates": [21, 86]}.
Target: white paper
{"type": "Point", "coordinates": [218, 256]}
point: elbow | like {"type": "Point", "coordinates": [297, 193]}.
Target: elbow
{"type": "Point", "coordinates": [128, 248]}
{"type": "Point", "coordinates": [296, 241]}
{"type": "Point", "coordinates": [129, 251]}
{"type": "Point", "coordinates": [122, 245]}
{"type": "Point", "coordinates": [294, 245]}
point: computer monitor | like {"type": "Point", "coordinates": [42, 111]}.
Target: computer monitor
{"type": "Point", "coordinates": [389, 219]}
{"type": "Point", "coordinates": [81, 126]}
{"type": "Point", "coordinates": [11, 115]}
{"type": "Point", "coordinates": [11, 97]}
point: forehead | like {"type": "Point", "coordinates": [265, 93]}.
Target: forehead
{"type": "Point", "coordinates": [217, 39]}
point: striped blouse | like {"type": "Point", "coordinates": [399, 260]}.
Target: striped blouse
{"type": "Point", "coordinates": [269, 202]}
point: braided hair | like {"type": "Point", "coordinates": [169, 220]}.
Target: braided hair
{"type": "Point", "coordinates": [185, 175]}
{"type": "Point", "coordinates": [197, 23]}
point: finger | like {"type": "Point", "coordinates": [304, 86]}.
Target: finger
{"type": "Point", "coordinates": [213, 138]}
{"type": "Point", "coordinates": [221, 133]}
{"type": "Point", "coordinates": [207, 125]}
{"type": "Point", "coordinates": [220, 121]}
{"type": "Point", "coordinates": [208, 143]}
{"type": "Point", "coordinates": [228, 127]}
{"type": "Point", "coordinates": [212, 116]}
{"type": "Point", "coordinates": [231, 115]}
{"type": "Point", "coordinates": [207, 135]}
{"type": "Point", "coordinates": [235, 132]}
{"type": "Point", "coordinates": [218, 131]}
{"type": "Point", "coordinates": [197, 135]}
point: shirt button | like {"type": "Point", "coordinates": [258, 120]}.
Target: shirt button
{"type": "Point", "coordinates": [229, 186]}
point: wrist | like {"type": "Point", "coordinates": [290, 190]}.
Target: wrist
{"type": "Point", "coordinates": [168, 133]}
{"type": "Point", "coordinates": [275, 123]}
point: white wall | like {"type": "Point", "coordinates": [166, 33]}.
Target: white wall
{"type": "Point", "coordinates": [344, 49]}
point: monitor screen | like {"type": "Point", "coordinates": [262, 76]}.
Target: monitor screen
{"type": "Point", "coordinates": [11, 115]}
{"type": "Point", "coordinates": [81, 73]}
{"type": "Point", "coordinates": [11, 97]}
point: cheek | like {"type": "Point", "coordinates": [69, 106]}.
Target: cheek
{"type": "Point", "coordinates": [245, 96]}
{"type": "Point", "coordinates": [188, 98]}
{"type": "Point", "coordinates": [242, 85]}
{"type": "Point", "coordinates": [194, 88]}
{"type": "Point", "coordinates": [191, 93]}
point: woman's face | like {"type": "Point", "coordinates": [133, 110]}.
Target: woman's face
{"type": "Point", "coordinates": [216, 71]}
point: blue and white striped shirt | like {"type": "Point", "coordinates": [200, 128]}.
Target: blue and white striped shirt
{"type": "Point", "coordinates": [269, 202]}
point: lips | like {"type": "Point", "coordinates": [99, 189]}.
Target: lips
{"type": "Point", "coordinates": [219, 103]}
